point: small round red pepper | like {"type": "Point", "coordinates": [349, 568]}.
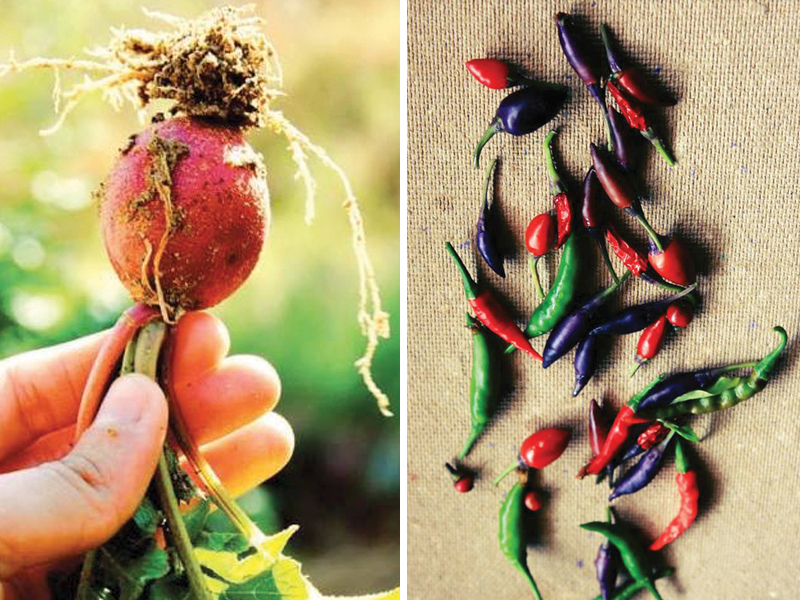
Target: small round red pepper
{"type": "Point", "coordinates": [539, 450]}
{"type": "Point", "coordinates": [540, 235]}
{"type": "Point", "coordinates": [532, 501]}
{"type": "Point", "coordinates": [464, 485]}
{"type": "Point", "coordinates": [652, 339]}
{"type": "Point", "coordinates": [491, 72]}
{"type": "Point", "coordinates": [674, 263]}
{"type": "Point", "coordinates": [680, 313]}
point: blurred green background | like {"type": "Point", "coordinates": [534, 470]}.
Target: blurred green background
{"type": "Point", "coordinates": [342, 77]}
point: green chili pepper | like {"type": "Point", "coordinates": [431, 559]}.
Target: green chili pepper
{"type": "Point", "coordinates": [630, 589]}
{"type": "Point", "coordinates": [730, 396]}
{"type": "Point", "coordinates": [482, 385]}
{"type": "Point", "coordinates": [632, 553]}
{"type": "Point", "coordinates": [560, 298]}
{"type": "Point", "coordinates": [512, 533]}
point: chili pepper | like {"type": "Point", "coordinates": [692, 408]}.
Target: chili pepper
{"type": "Point", "coordinates": [532, 501]}
{"type": "Point", "coordinates": [675, 385]}
{"type": "Point", "coordinates": [540, 235]}
{"type": "Point", "coordinates": [643, 472]}
{"type": "Point", "coordinates": [624, 142]}
{"type": "Point", "coordinates": [496, 74]}
{"type": "Point", "coordinates": [598, 428]}
{"type": "Point", "coordinates": [632, 588]}
{"type": "Point", "coordinates": [672, 261]}
{"type": "Point", "coordinates": [579, 58]}
{"type": "Point", "coordinates": [743, 390]}
{"type": "Point", "coordinates": [585, 362]}
{"type": "Point", "coordinates": [574, 327]}
{"type": "Point", "coordinates": [539, 450]}
{"type": "Point", "coordinates": [619, 431]}
{"type": "Point", "coordinates": [650, 342]}
{"type": "Point", "coordinates": [680, 314]}
{"type": "Point", "coordinates": [486, 238]}
{"type": "Point", "coordinates": [482, 385]}
{"type": "Point", "coordinates": [653, 435]}
{"type": "Point", "coordinates": [628, 255]}
{"type": "Point", "coordinates": [635, 318]}
{"type": "Point", "coordinates": [463, 479]}
{"type": "Point", "coordinates": [592, 215]}
{"type": "Point", "coordinates": [629, 78]}
{"type": "Point", "coordinates": [632, 553]}
{"type": "Point", "coordinates": [635, 117]}
{"type": "Point", "coordinates": [606, 565]}
{"type": "Point", "coordinates": [511, 534]}
{"type": "Point", "coordinates": [489, 311]}
{"type": "Point", "coordinates": [560, 296]}
{"type": "Point", "coordinates": [690, 495]}
{"type": "Point", "coordinates": [560, 200]}
{"type": "Point", "coordinates": [523, 112]}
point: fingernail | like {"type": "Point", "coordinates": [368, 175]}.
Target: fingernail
{"type": "Point", "coordinates": [125, 399]}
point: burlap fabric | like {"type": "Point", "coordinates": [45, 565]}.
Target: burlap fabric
{"type": "Point", "coordinates": [733, 195]}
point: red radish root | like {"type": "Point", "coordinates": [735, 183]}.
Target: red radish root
{"type": "Point", "coordinates": [218, 66]}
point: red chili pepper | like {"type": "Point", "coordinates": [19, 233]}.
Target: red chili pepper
{"type": "Point", "coordinates": [464, 485]}
{"type": "Point", "coordinates": [631, 81]}
{"type": "Point", "coordinates": [655, 434]}
{"type": "Point", "coordinates": [598, 428]}
{"type": "Point", "coordinates": [615, 440]}
{"type": "Point", "coordinates": [564, 212]}
{"type": "Point", "coordinates": [652, 339]}
{"type": "Point", "coordinates": [674, 263]}
{"type": "Point", "coordinates": [490, 72]}
{"type": "Point", "coordinates": [545, 446]}
{"type": "Point", "coordinates": [680, 313]}
{"type": "Point", "coordinates": [630, 108]}
{"type": "Point", "coordinates": [540, 235]}
{"type": "Point", "coordinates": [630, 257]}
{"type": "Point", "coordinates": [690, 495]}
{"type": "Point", "coordinates": [532, 501]}
{"type": "Point", "coordinates": [490, 312]}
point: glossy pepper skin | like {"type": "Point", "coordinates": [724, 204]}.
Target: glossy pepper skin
{"type": "Point", "coordinates": [613, 181]}
{"type": "Point", "coordinates": [496, 74]}
{"type": "Point", "coordinates": [489, 311]}
{"type": "Point", "coordinates": [539, 450]}
{"type": "Point", "coordinates": [629, 78]}
{"type": "Point", "coordinates": [743, 390]}
{"type": "Point", "coordinates": [578, 57]}
{"type": "Point", "coordinates": [651, 341]}
{"type": "Point", "coordinates": [690, 496]}
{"type": "Point", "coordinates": [680, 314]}
{"type": "Point", "coordinates": [635, 318]}
{"type": "Point", "coordinates": [574, 327]}
{"type": "Point", "coordinates": [632, 553]}
{"type": "Point", "coordinates": [643, 472]}
{"type": "Point", "coordinates": [598, 428]}
{"type": "Point", "coordinates": [486, 237]}
{"type": "Point", "coordinates": [592, 215]}
{"type": "Point", "coordinates": [482, 385]}
{"type": "Point", "coordinates": [623, 141]}
{"type": "Point", "coordinates": [627, 254]}
{"type": "Point", "coordinates": [540, 235]}
{"type": "Point", "coordinates": [561, 201]}
{"type": "Point", "coordinates": [585, 362]}
{"type": "Point", "coordinates": [606, 565]}
{"type": "Point", "coordinates": [674, 263]}
{"type": "Point", "coordinates": [522, 112]}
{"type": "Point", "coordinates": [677, 384]}
{"type": "Point", "coordinates": [511, 534]}
{"type": "Point", "coordinates": [561, 295]}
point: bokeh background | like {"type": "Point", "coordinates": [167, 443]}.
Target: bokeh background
{"type": "Point", "coordinates": [341, 65]}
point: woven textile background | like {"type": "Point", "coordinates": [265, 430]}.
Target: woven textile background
{"type": "Point", "coordinates": [733, 195]}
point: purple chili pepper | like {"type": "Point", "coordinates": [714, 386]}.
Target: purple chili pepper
{"type": "Point", "coordinates": [679, 384]}
{"type": "Point", "coordinates": [606, 565]}
{"type": "Point", "coordinates": [574, 327]}
{"type": "Point", "coordinates": [643, 472]}
{"type": "Point", "coordinates": [486, 239]}
{"type": "Point", "coordinates": [523, 112]}
{"type": "Point", "coordinates": [635, 318]}
{"type": "Point", "coordinates": [624, 141]}
{"type": "Point", "coordinates": [579, 58]}
{"type": "Point", "coordinates": [585, 362]}
{"type": "Point", "coordinates": [592, 215]}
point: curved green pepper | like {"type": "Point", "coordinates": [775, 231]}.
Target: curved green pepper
{"type": "Point", "coordinates": [482, 384]}
{"type": "Point", "coordinates": [560, 298]}
{"type": "Point", "coordinates": [743, 389]}
{"type": "Point", "coordinates": [632, 553]}
{"type": "Point", "coordinates": [512, 533]}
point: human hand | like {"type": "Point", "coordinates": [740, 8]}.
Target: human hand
{"type": "Point", "coordinates": [58, 501]}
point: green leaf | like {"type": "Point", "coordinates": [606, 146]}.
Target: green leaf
{"type": "Point", "coordinates": [196, 518]}
{"type": "Point", "coordinates": [684, 431]}
{"type": "Point", "coordinates": [132, 573]}
{"type": "Point", "coordinates": [218, 540]}
{"type": "Point", "coordinates": [147, 517]}
{"type": "Point", "coordinates": [172, 587]}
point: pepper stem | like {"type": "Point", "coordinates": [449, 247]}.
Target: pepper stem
{"type": "Point", "coordinates": [495, 126]}
{"type": "Point", "coordinates": [651, 137]}
{"type": "Point", "coordinates": [550, 163]}
{"type": "Point", "coordinates": [533, 262]}
{"type": "Point", "coordinates": [471, 288]}
{"type": "Point", "coordinates": [606, 258]}
{"type": "Point", "coordinates": [636, 367]}
{"type": "Point", "coordinates": [651, 233]}
{"type": "Point", "coordinates": [765, 366]}
{"type": "Point", "coordinates": [476, 432]}
{"type": "Point", "coordinates": [737, 366]}
{"type": "Point", "coordinates": [513, 467]}
{"type": "Point", "coordinates": [525, 571]}
{"type": "Point", "coordinates": [487, 182]}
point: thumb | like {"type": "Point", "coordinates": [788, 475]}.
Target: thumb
{"type": "Point", "coordinates": [66, 507]}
